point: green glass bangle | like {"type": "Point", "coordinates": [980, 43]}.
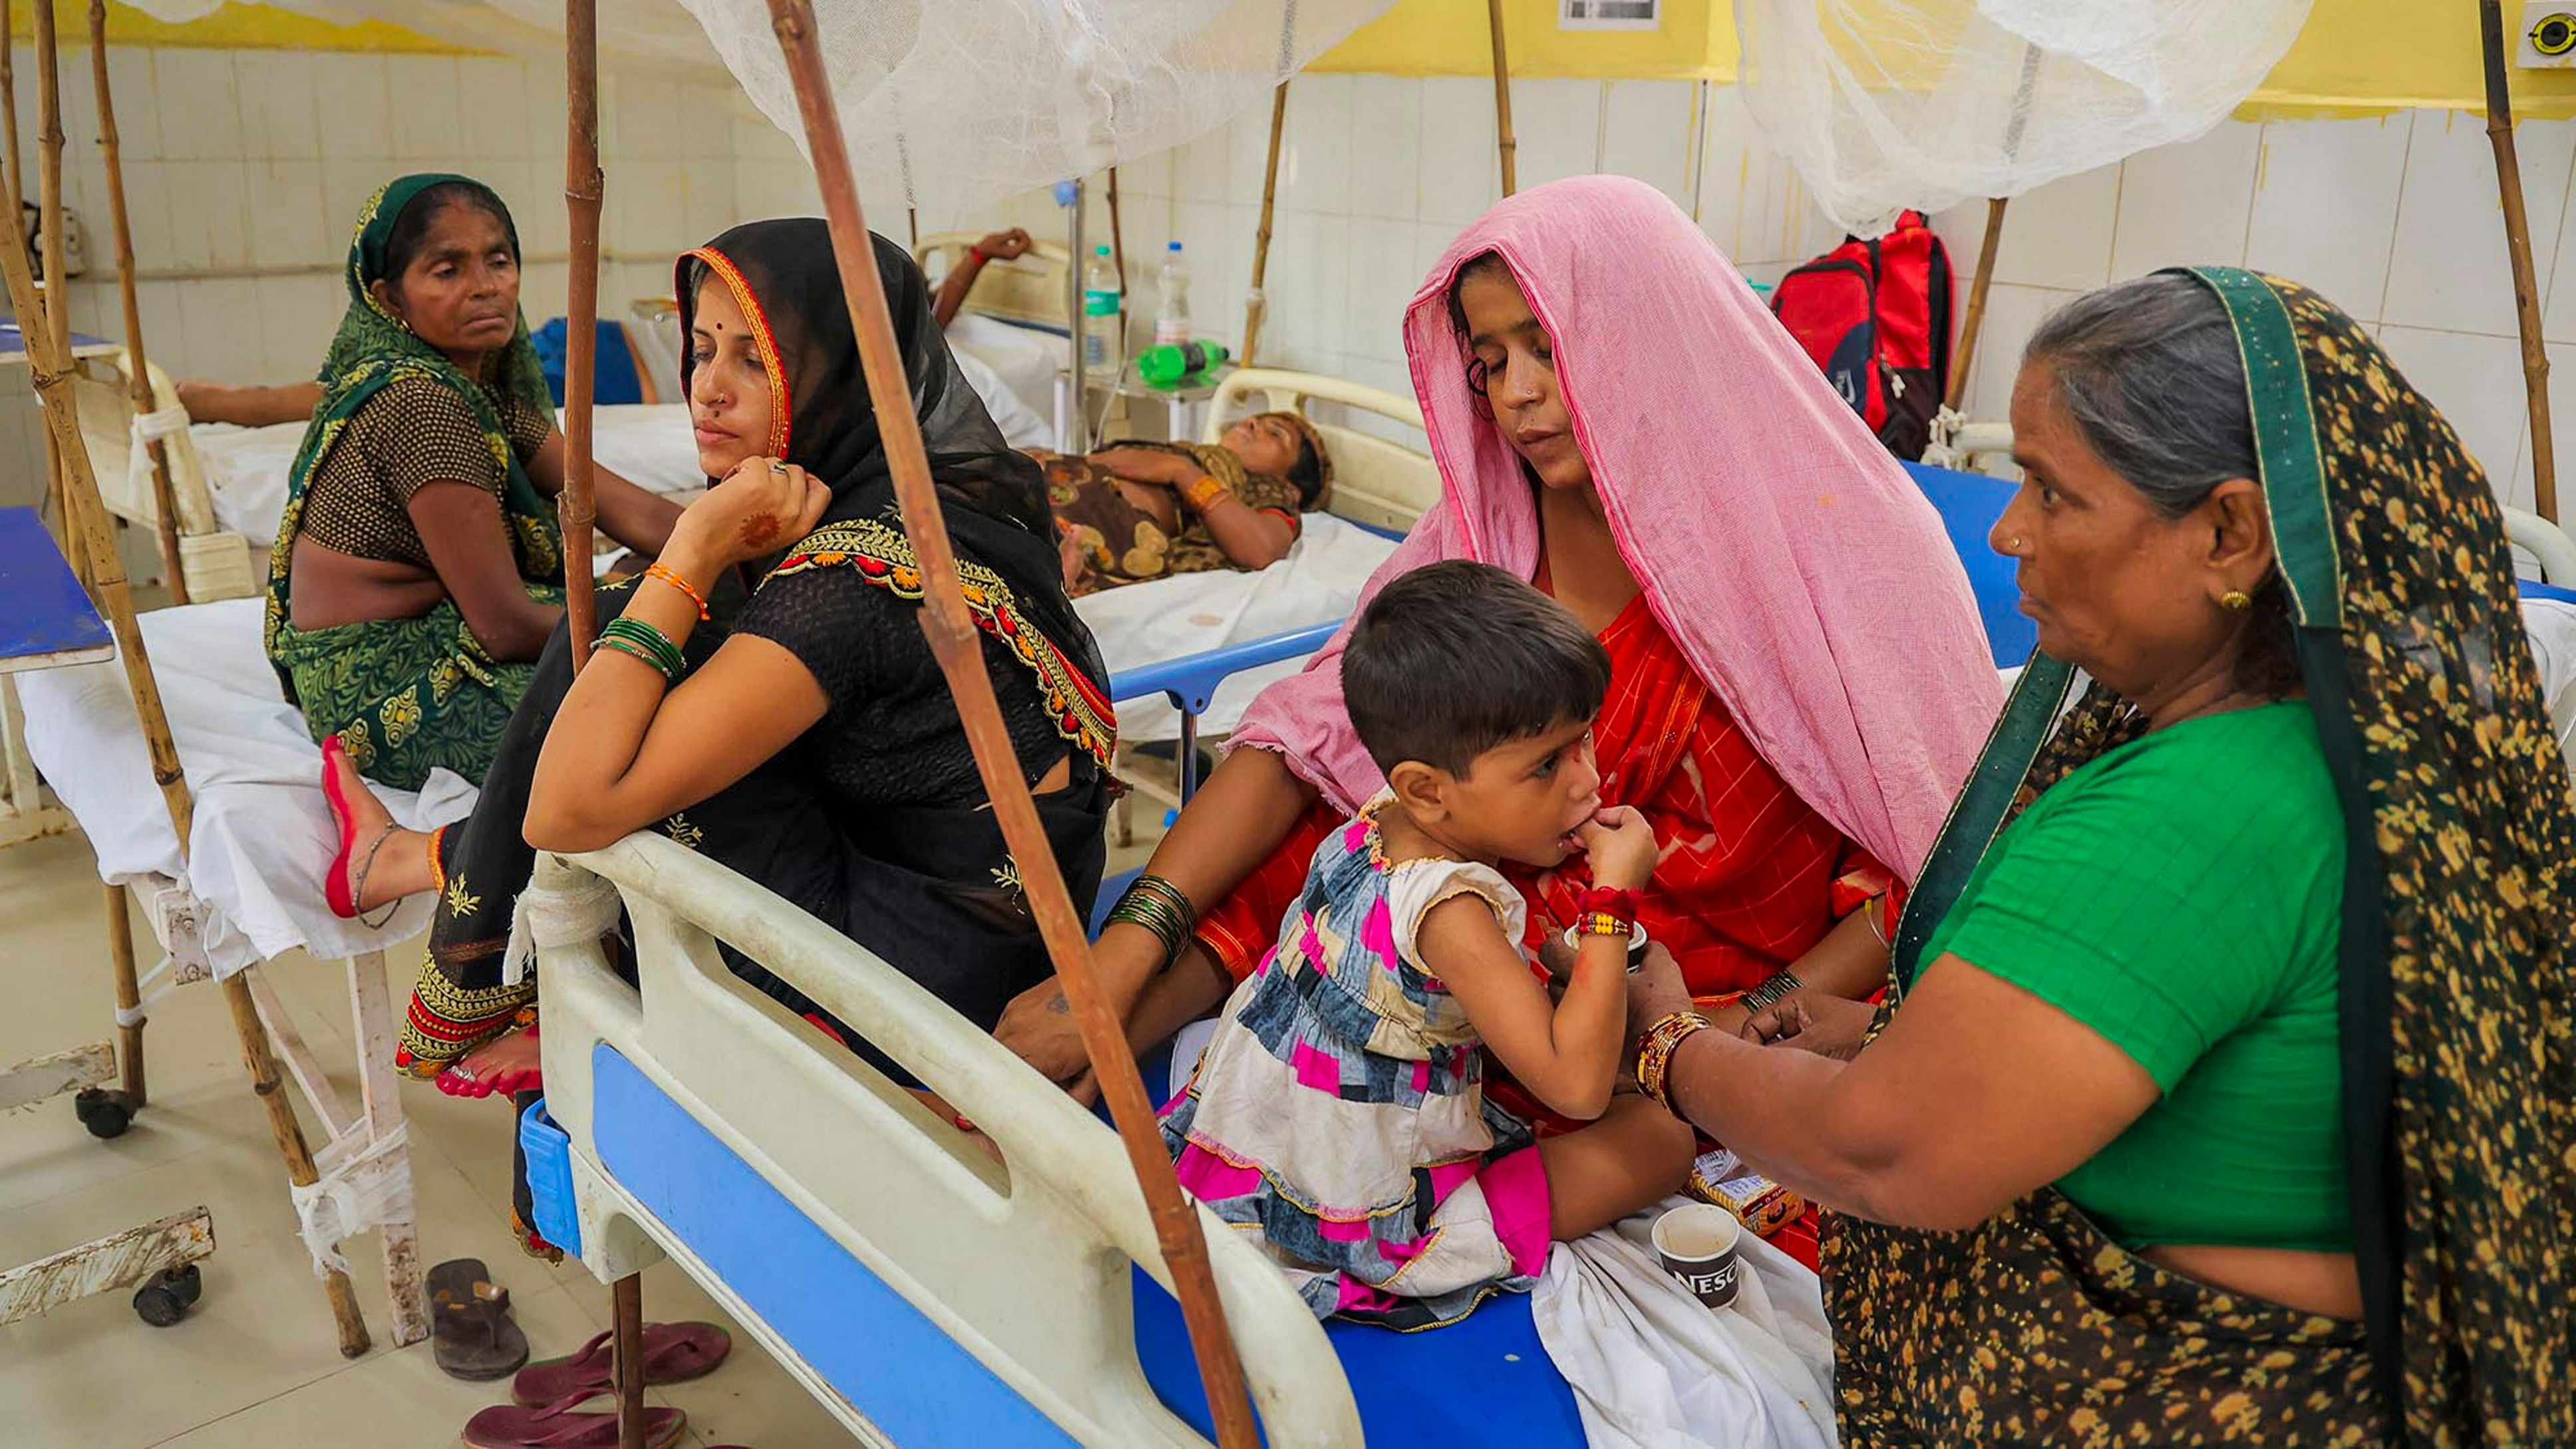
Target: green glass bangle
{"type": "Point", "coordinates": [634, 651]}
{"type": "Point", "coordinates": [659, 650]}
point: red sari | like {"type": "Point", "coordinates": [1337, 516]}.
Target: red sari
{"type": "Point", "coordinates": [1751, 876]}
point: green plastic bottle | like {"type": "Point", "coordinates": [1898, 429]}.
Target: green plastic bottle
{"type": "Point", "coordinates": [1174, 363]}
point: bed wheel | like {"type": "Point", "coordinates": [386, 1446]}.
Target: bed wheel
{"type": "Point", "coordinates": [106, 1113]}
{"type": "Point", "coordinates": [167, 1296]}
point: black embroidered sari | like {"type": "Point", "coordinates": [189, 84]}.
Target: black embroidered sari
{"type": "Point", "coordinates": [874, 820]}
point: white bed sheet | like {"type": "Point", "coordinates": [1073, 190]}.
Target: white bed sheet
{"type": "Point", "coordinates": [1318, 582]}
{"type": "Point", "coordinates": [648, 444]}
{"type": "Point", "coordinates": [263, 833]}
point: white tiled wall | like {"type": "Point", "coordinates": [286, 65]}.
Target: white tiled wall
{"type": "Point", "coordinates": [251, 166]}
{"type": "Point", "coordinates": [2395, 218]}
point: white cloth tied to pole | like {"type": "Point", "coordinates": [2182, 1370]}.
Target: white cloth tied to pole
{"type": "Point", "coordinates": [150, 428]}
{"type": "Point", "coordinates": [353, 1192]}
{"type": "Point", "coordinates": [1654, 1368]}
{"type": "Point", "coordinates": [549, 920]}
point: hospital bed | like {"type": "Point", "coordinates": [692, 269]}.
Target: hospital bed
{"type": "Point", "coordinates": [921, 1292]}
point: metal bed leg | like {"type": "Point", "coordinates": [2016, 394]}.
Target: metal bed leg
{"type": "Point", "coordinates": [265, 1085]}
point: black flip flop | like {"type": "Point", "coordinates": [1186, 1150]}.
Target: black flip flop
{"type": "Point", "coordinates": [470, 1326]}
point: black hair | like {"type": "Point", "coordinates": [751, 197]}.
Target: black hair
{"type": "Point", "coordinates": [1457, 657]}
{"type": "Point", "coordinates": [411, 226]}
{"type": "Point", "coordinates": [2150, 374]}
{"type": "Point", "coordinates": [1307, 473]}
{"type": "Point", "coordinates": [1483, 264]}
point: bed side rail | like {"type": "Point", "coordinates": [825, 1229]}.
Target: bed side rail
{"type": "Point", "coordinates": [1026, 1268]}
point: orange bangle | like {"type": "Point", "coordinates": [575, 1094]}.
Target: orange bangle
{"type": "Point", "coordinates": [671, 576]}
{"type": "Point", "coordinates": [1205, 493]}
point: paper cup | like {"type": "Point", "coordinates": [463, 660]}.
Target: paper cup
{"type": "Point", "coordinates": [1697, 1244]}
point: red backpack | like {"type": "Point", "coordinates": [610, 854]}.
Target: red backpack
{"type": "Point", "coordinates": [1875, 315]}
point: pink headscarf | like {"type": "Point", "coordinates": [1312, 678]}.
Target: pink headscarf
{"type": "Point", "coordinates": [1797, 567]}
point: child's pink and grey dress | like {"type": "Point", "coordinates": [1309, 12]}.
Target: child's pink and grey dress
{"type": "Point", "coordinates": [1339, 1113]}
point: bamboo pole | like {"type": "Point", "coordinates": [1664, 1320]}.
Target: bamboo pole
{"type": "Point", "coordinates": [2517, 242]}
{"type": "Point", "coordinates": [1508, 148]}
{"type": "Point", "coordinates": [138, 382]}
{"type": "Point", "coordinates": [1975, 322]}
{"type": "Point", "coordinates": [271, 1092]}
{"type": "Point", "coordinates": [1126, 294]}
{"type": "Point", "coordinates": [9, 164]}
{"type": "Point", "coordinates": [87, 540]}
{"type": "Point", "coordinates": [954, 640]}
{"type": "Point", "coordinates": [1256, 303]}
{"type": "Point", "coordinates": [49, 175]}
{"type": "Point", "coordinates": [129, 995]}
{"type": "Point", "coordinates": [56, 317]}
{"type": "Point", "coordinates": [583, 188]}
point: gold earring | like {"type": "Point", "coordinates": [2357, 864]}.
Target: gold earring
{"type": "Point", "coordinates": [2236, 601]}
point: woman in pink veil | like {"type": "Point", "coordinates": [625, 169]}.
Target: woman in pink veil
{"type": "Point", "coordinates": [1800, 683]}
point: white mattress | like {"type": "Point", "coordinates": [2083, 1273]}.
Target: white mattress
{"type": "Point", "coordinates": [1317, 583]}
{"type": "Point", "coordinates": [263, 832]}
{"type": "Point", "coordinates": [648, 444]}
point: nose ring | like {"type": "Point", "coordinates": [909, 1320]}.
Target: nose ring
{"type": "Point", "coordinates": [2012, 543]}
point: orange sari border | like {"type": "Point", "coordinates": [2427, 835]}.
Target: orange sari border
{"type": "Point", "coordinates": [762, 337]}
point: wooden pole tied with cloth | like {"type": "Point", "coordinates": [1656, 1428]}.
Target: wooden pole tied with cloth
{"type": "Point", "coordinates": [955, 641]}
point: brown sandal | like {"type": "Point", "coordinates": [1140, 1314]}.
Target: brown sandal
{"type": "Point", "coordinates": [474, 1337]}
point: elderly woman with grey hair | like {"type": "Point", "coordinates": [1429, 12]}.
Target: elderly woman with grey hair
{"type": "Point", "coordinates": [2226, 1089]}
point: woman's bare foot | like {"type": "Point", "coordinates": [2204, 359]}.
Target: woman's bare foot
{"type": "Point", "coordinates": [384, 862]}
{"type": "Point", "coordinates": [508, 1064]}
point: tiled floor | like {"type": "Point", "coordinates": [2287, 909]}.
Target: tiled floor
{"type": "Point", "coordinates": [256, 1364]}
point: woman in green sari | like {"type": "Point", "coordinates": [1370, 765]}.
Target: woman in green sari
{"type": "Point", "coordinates": [418, 571]}
{"type": "Point", "coordinates": [2228, 1093]}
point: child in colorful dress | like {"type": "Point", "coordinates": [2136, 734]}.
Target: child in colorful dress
{"type": "Point", "coordinates": [1340, 1111]}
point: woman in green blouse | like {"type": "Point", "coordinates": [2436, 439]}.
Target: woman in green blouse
{"type": "Point", "coordinates": [2227, 1095]}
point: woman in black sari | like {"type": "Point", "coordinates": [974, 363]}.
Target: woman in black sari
{"type": "Point", "coordinates": [807, 738]}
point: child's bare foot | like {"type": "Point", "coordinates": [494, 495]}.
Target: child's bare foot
{"type": "Point", "coordinates": [505, 1066]}
{"type": "Point", "coordinates": [379, 862]}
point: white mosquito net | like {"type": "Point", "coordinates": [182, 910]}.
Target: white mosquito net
{"type": "Point", "coordinates": [947, 104]}
{"type": "Point", "coordinates": [1886, 104]}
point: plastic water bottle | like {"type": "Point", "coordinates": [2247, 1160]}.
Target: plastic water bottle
{"type": "Point", "coordinates": [1164, 365]}
{"type": "Point", "coordinates": [1101, 306]}
{"type": "Point", "coordinates": [1172, 319]}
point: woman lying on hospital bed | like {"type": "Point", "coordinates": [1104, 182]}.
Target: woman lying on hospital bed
{"type": "Point", "coordinates": [1146, 510]}
{"type": "Point", "coordinates": [418, 570]}
{"type": "Point", "coordinates": [803, 736]}
{"type": "Point", "coordinates": [1798, 678]}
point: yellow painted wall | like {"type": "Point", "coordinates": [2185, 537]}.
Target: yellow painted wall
{"type": "Point", "coordinates": [237, 26]}
{"type": "Point", "coordinates": [2359, 56]}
